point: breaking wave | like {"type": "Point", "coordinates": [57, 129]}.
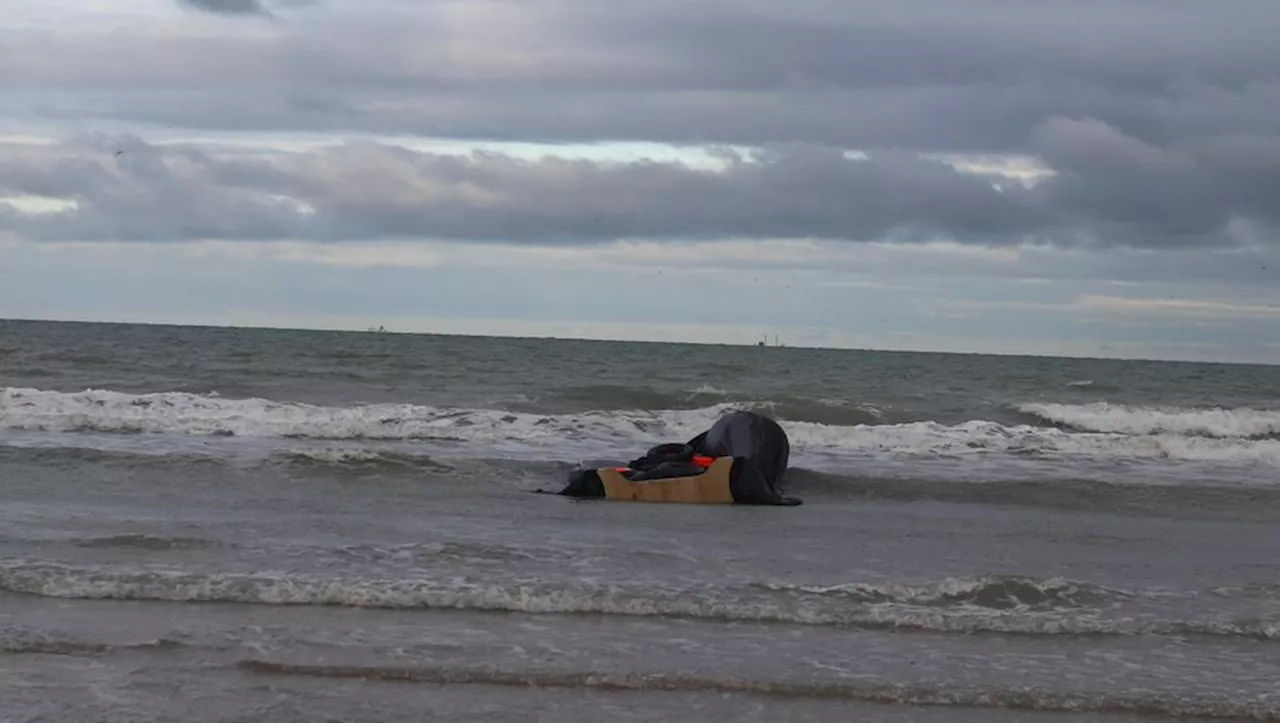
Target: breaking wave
{"type": "Point", "coordinates": [1117, 433]}
{"type": "Point", "coordinates": [1022, 606]}
{"type": "Point", "coordinates": [195, 414]}
{"type": "Point", "coordinates": [1123, 419]}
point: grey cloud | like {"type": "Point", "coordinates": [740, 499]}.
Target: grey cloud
{"type": "Point", "coordinates": [129, 190]}
{"type": "Point", "coordinates": [1109, 190]}
{"type": "Point", "coordinates": [922, 75]}
{"type": "Point", "coordinates": [977, 119]}
{"type": "Point", "coordinates": [363, 191]}
{"type": "Point", "coordinates": [227, 7]}
{"type": "Point", "coordinates": [715, 46]}
{"type": "Point", "coordinates": [1125, 190]}
{"type": "Point", "coordinates": [1134, 44]}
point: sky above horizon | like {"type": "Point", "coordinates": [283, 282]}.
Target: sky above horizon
{"type": "Point", "coordinates": [1087, 177]}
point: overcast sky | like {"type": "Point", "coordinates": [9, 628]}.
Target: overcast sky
{"type": "Point", "coordinates": [1084, 177]}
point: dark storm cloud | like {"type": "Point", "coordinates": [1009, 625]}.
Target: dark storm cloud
{"type": "Point", "coordinates": [1110, 189]}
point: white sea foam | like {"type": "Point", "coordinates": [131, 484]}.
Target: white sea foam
{"type": "Point", "coordinates": [622, 432]}
{"type": "Point", "coordinates": [183, 413]}
{"type": "Point", "coordinates": [1123, 419]}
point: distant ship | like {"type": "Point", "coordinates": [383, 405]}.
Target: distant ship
{"type": "Point", "coordinates": [765, 341]}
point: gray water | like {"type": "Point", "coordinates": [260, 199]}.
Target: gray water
{"type": "Point", "coordinates": [218, 524]}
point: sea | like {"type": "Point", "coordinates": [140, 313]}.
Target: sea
{"type": "Point", "coordinates": [229, 524]}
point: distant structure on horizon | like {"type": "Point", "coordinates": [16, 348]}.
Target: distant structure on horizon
{"type": "Point", "coordinates": [765, 341]}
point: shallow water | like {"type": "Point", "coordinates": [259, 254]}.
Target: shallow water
{"type": "Point", "coordinates": [214, 524]}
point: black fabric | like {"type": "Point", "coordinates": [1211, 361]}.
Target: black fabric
{"type": "Point", "coordinates": [749, 435]}
{"type": "Point", "coordinates": [749, 487]}
{"type": "Point", "coordinates": [663, 454]}
{"type": "Point", "coordinates": [584, 483]}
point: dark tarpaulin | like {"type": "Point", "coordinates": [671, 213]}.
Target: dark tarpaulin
{"type": "Point", "coordinates": [751, 436]}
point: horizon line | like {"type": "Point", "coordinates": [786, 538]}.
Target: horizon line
{"type": "Point", "coordinates": [623, 340]}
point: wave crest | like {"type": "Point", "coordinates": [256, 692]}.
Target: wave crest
{"type": "Point", "coordinates": [1243, 423]}
{"type": "Point", "coordinates": [1121, 434]}
{"type": "Point", "coordinates": [952, 606]}
{"type": "Point", "coordinates": [185, 413]}
{"type": "Point", "coordinates": [994, 592]}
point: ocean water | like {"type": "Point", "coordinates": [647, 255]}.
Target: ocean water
{"type": "Point", "coordinates": [204, 524]}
